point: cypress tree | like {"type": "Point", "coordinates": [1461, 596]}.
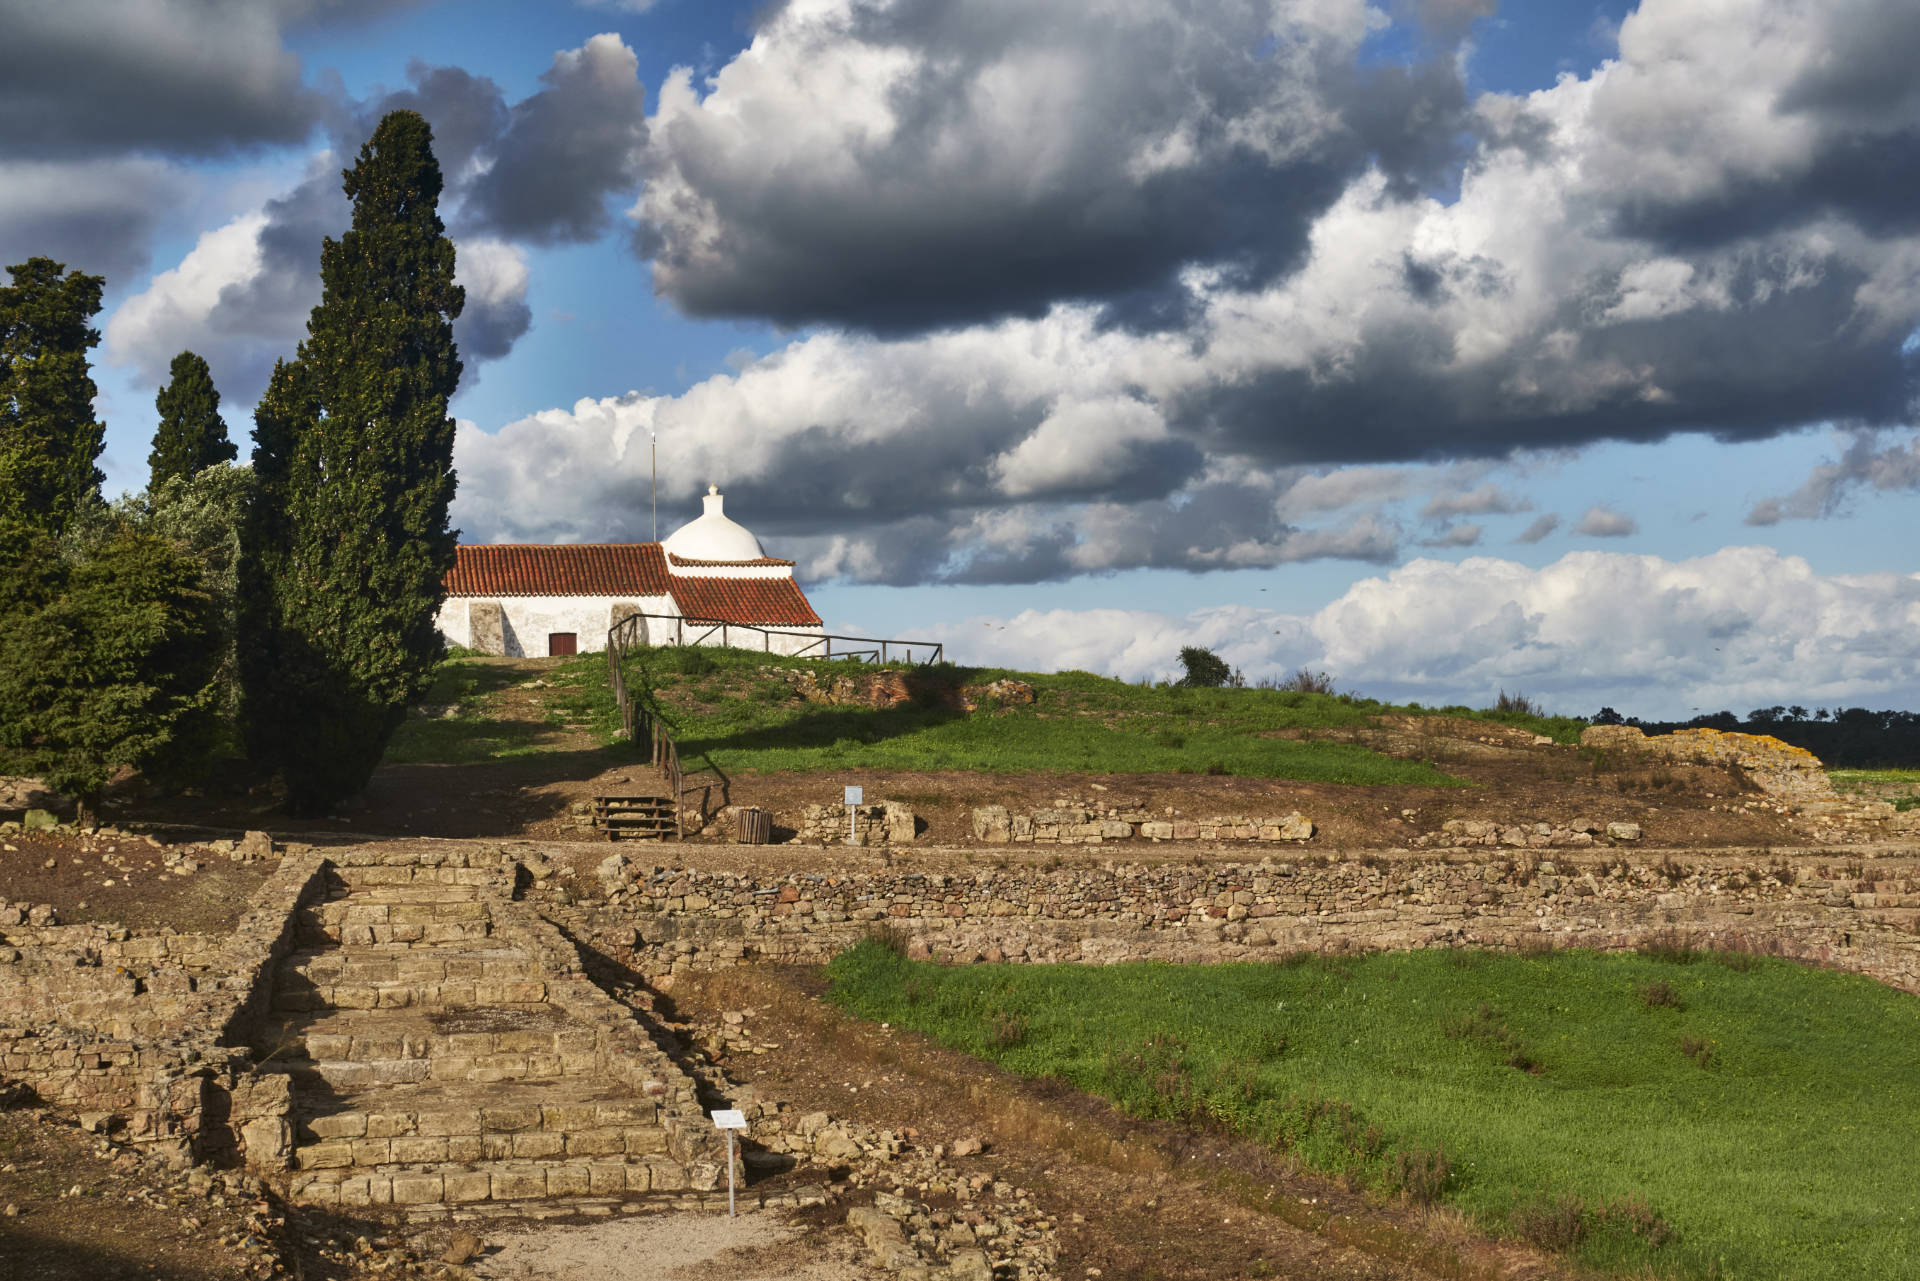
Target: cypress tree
{"type": "Point", "coordinates": [49, 437]}
{"type": "Point", "coordinates": [104, 663]}
{"type": "Point", "coordinates": [354, 459]}
{"type": "Point", "coordinates": [192, 436]}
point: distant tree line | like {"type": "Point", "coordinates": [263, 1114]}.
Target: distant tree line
{"type": "Point", "coordinates": [1842, 737]}
{"type": "Point", "coordinates": [279, 615]}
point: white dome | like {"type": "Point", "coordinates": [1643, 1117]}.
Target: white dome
{"type": "Point", "coordinates": [713, 536]}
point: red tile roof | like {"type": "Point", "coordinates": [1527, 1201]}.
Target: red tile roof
{"type": "Point", "coordinates": [576, 569]}
{"type": "Point", "coordinates": [726, 564]}
{"type": "Point", "coordinates": [772, 602]}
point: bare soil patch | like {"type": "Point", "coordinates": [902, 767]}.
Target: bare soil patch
{"type": "Point", "coordinates": [125, 880]}
{"type": "Point", "coordinates": [74, 1212]}
{"type": "Point", "coordinates": [756, 1246]}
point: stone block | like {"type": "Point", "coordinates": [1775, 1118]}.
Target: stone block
{"type": "Point", "coordinates": [449, 1121]}
{"type": "Point", "coordinates": [506, 1120]}
{"type": "Point", "coordinates": [597, 1142]}
{"type": "Point", "coordinates": [341, 1125]}
{"type": "Point", "coordinates": [519, 1185]}
{"type": "Point", "coordinates": [569, 1180]}
{"type": "Point", "coordinates": [337, 1155]}
{"type": "Point", "coordinates": [992, 824]}
{"type": "Point", "coordinates": [418, 1189]}
{"type": "Point", "coordinates": [372, 1151]}
{"type": "Point", "coordinates": [664, 1176]}
{"type": "Point", "coordinates": [538, 1145]}
{"type": "Point", "coordinates": [385, 1125]}
{"type": "Point", "coordinates": [465, 1147]}
{"type": "Point", "coordinates": [418, 1150]}
{"type": "Point", "coordinates": [474, 1185]}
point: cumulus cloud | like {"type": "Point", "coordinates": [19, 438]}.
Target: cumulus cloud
{"type": "Point", "coordinates": [1539, 529]}
{"type": "Point", "coordinates": [495, 277]}
{"type": "Point", "coordinates": [1485, 500]}
{"type": "Point", "coordinates": [1743, 627]}
{"type": "Point", "coordinates": [1866, 463]}
{"type": "Point", "coordinates": [96, 215]}
{"type": "Point", "coordinates": [187, 77]}
{"type": "Point", "coordinates": [1604, 522]}
{"type": "Point", "coordinates": [1456, 536]}
{"type": "Point", "coordinates": [535, 171]}
{"type": "Point", "coordinates": [566, 149]}
{"type": "Point", "coordinates": [897, 164]}
{"type": "Point", "coordinates": [1581, 285]}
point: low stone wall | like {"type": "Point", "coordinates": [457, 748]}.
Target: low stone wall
{"type": "Point", "coordinates": [884, 823]}
{"type": "Point", "coordinates": [679, 919]}
{"type": "Point", "coordinates": [140, 1033]}
{"type": "Point", "coordinates": [1070, 825]}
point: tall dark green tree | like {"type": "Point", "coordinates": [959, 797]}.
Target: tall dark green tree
{"type": "Point", "coordinates": [49, 437]}
{"type": "Point", "coordinates": [348, 535]}
{"type": "Point", "coordinates": [192, 436]}
{"type": "Point", "coordinates": [108, 655]}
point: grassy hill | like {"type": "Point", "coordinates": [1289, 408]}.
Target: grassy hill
{"type": "Point", "coordinates": [741, 710]}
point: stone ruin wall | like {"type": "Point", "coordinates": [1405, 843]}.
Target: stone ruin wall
{"type": "Point", "coordinates": [107, 1023]}
{"type": "Point", "coordinates": [666, 921]}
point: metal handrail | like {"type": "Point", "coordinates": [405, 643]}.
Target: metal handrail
{"type": "Point", "coordinates": [818, 644]}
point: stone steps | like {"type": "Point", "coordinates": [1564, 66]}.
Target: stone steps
{"type": "Point", "coordinates": [434, 1063]}
{"type": "Point", "coordinates": [399, 976]}
{"type": "Point", "coordinates": [455, 1183]}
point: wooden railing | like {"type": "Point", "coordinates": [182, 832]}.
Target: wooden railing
{"type": "Point", "coordinates": [704, 631]}
{"type": "Point", "coordinates": [637, 720]}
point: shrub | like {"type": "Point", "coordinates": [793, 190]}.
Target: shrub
{"type": "Point", "coordinates": [1699, 1049]}
{"type": "Point", "coordinates": [1205, 669]}
{"type": "Point", "coordinates": [1419, 1175]}
{"type": "Point", "coordinates": [1552, 1223]}
{"type": "Point", "coordinates": [1005, 1031]}
{"type": "Point", "coordinates": [1519, 703]}
{"type": "Point", "coordinates": [1661, 994]}
{"type": "Point", "coordinates": [1307, 681]}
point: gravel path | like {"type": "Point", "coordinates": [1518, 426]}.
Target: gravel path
{"type": "Point", "coordinates": [666, 1247]}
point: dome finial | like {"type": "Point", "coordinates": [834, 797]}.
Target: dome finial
{"type": "Point", "coordinates": [713, 489]}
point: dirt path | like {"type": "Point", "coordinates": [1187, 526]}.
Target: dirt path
{"type": "Point", "coordinates": [756, 1246]}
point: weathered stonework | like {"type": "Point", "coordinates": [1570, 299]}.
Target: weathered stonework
{"type": "Point", "coordinates": [679, 919]}
{"type": "Point", "coordinates": [1776, 768]}
{"type": "Point", "coordinates": [884, 823]}
{"type": "Point", "coordinates": [995, 825]}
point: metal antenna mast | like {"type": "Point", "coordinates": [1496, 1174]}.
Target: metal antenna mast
{"type": "Point", "coordinates": [653, 456]}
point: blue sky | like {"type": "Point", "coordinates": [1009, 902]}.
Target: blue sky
{"type": "Point", "coordinates": [1447, 345]}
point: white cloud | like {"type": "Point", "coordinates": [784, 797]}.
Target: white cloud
{"type": "Point", "coordinates": [178, 310]}
{"type": "Point", "coordinates": [1604, 522]}
{"type": "Point", "coordinates": [1866, 462]}
{"type": "Point", "coordinates": [1743, 627]}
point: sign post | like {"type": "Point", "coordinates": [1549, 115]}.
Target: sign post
{"type": "Point", "coordinates": [727, 1120]}
{"type": "Point", "coordinates": [854, 796]}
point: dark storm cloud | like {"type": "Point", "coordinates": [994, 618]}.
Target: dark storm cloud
{"type": "Point", "coordinates": [179, 77]}
{"type": "Point", "coordinates": [566, 149]}
{"type": "Point", "coordinates": [95, 216]}
{"type": "Point", "coordinates": [1784, 357]}
{"type": "Point", "coordinates": [1029, 155]}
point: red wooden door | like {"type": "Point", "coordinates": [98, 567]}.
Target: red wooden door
{"type": "Point", "coordinates": [562, 644]}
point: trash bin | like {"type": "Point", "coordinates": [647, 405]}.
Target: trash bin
{"type": "Point", "coordinates": [756, 826]}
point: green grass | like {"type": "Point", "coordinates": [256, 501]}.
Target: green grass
{"type": "Point", "coordinates": [1882, 782]}
{"type": "Point", "coordinates": [1759, 1111]}
{"type": "Point", "coordinates": [576, 695]}
{"type": "Point", "coordinates": [724, 707]}
{"type": "Point", "coordinates": [720, 703]}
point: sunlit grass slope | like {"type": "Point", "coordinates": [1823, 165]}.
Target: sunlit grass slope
{"type": "Point", "coordinates": [1735, 1118]}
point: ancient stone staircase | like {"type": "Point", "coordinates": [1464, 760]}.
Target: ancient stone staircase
{"type": "Point", "coordinates": [445, 1051]}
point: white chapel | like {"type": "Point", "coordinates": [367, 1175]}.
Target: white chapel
{"type": "Point", "coordinates": [709, 582]}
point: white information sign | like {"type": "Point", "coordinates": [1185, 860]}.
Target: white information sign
{"type": "Point", "coordinates": [728, 1120]}
{"type": "Point", "coordinates": [854, 796]}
